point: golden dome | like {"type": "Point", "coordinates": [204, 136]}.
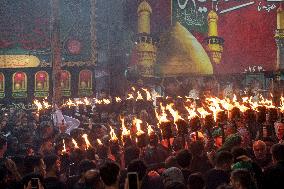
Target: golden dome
{"type": "Point", "coordinates": [180, 53]}
{"type": "Point", "coordinates": [212, 15]}
{"type": "Point", "coordinates": [144, 7]}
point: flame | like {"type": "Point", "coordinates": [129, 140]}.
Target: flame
{"type": "Point", "coordinates": [46, 104]}
{"type": "Point", "coordinates": [64, 147]}
{"type": "Point", "coordinates": [138, 123]}
{"type": "Point", "coordinates": [129, 96]}
{"type": "Point", "coordinates": [265, 102]}
{"type": "Point", "coordinates": [192, 112]}
{"type": "Point", "coordinates": [150, 129]}
{"type": "Point", "coordinates": [203, 113]}
{"type": "Point", "coordinates": [106, 101]}
{"type": "Point", "coordinates": [38, 104]}
{"type": "Point", "coordinates": [117, 99]}
{"type": "Point", "coordinates": [112, 134]}
{"type": "Point", "coordinates": [214, 107]}
{"type": "Point", "coordinates": [226, 104]}
{"type": "Point", "coordinates": [125, 131]}
{"type": "Point", "coordinates": [281, 104]}
{"type": "Point", "coordinates": [133, 88]}
{"type": "Point", "coordinates": [99, 142]}
{"type": "Point", "coordinates": [174, 113]}
{"type": "Point", "coordinates": [148, 95]}
{"type": "Point", "coordinates": [97, 101]}
{"type": "Point", "coordinates": [139, 96]}
{"type": "Point", "coordinates": [70, 103]}
{"type": "Point", "coordinates": [163, 117]}
{"type": "Point", "coordinates": [75, 143]}
{"type": "Point", "coordinates": [78, 102]}
{"type": "Point", "coordinates": [86, 101]}
{"type": "Point", "coordinates": [85, 137]}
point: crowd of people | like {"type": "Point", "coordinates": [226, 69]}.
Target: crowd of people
{"type": "Point", "coordinates": [243, 152]}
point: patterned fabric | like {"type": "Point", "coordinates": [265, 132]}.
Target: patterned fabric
{"type": "Point", "coordinates": [172, 175]}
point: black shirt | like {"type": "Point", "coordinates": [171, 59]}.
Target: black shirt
{"type": "Point", "coordinates": [216, 177]}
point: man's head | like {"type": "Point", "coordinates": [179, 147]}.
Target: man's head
{"type": "Point", "coordinates": [86, 165]}
{"type": "Point", "coordinates": [217, 135]}
{"type": "Point", "coordinates": [224, 160]}
{"type": "Point", "coordinates": [279, 130]}
{"type": "Point", "coordinates": [184, 158]}
{"type": "Point", "coordinates": [130, 154]}
{"type": "Point", "coordinates": [52, 163]}
{"type": "Point", "coordinates": [277, 152]}
{"type": "Point", "coordinates": [195, 181]}
{"type": "Point", "coordinates": [171, 161]}
{"type": "Point", "coordinates": [259, 149]}
{"type": "Point", "coordinates": [92, 179]}
{"type": "Point", "coordinates": [109, 173]}
{"type": "Point", "coordinates": [241, 178]}
{"type": "Point", "coordinates": [34, 164]}
{"type": "Point", "coordinates": [139, 167]}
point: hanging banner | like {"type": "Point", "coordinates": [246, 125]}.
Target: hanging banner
{"type": "Point", "coordinates": [65, 82]}
{"type": "Point", "coordinates": [41, 84]}
{"type": "Point", "coordinates": [85, 85]}
{"type": "Point", "coordinates": [19, 89]}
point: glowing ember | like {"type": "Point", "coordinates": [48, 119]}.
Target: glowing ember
{"type": "Point", "coordinates": [85, 137]}
{"type": "Point", "coordinates": [75, 143]}
{"type": "Point", "coordinates": [112, 134]}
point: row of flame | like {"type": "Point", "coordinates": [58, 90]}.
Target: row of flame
{"type": "Point", "coordinates": [211, 105]}
{"type": "Point", "coordinates": [113, 136]}
{"type": "Point", "coordinates": [214, 105]}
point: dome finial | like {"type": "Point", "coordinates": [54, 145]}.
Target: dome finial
{"type": "Point", "coordinates": [144, 7]}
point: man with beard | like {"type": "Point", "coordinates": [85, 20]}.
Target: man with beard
{"type": "Point", "coordinates": [261, 157]}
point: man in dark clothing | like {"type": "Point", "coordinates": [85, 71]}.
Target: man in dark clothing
{"type": "Point", "coordinates": [274, 175]}
{"type": "Point", "coordinates": [200, 161]}
{"type": "Point", "coordinates": [154, 152]}
{"type": "Point", "coordinates": [52, 181]}
{"type": "Point", "coordinates": [221, 173]}
{"type": "Point", "coordinates": [184, 159]}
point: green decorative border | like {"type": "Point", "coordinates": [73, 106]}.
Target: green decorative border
{"type": "Point", "coordinates": [66, 93]}
{"type": "Point", "coordinates": [2, 95]}
{"type": "Point", "coordinates": [20, 94]}
{"type": "Point", "coordinates": [41, 94]}
{"type": "Point", "coordinates": [85, 92]}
